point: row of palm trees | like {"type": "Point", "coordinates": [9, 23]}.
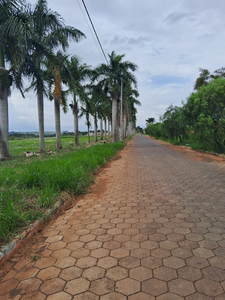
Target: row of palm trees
{"type": "Point", "coordinates": [29, 39]}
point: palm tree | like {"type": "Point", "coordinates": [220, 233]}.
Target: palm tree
{"type": "Point", "coordinates": [127, 92]}
{"type": "Point", "coordinates": [78, 73]}
{"type": "Point", "coordinates": [86, 111]}
{"type": "Point", "coordinates": [48, 33]}
{"type": "Point", "coordinates": [131, 100]}
{"type": "Point", "coordinates": [112, 74]}
{"type": "Point", "coordinates": [56, 74]}
{"type": "Point", "coordinates": [96, 100]}
{"type": "Point", "coordinates": [13, 35]}
{"type": "Point", "coordinates": [106, 111]}
{"type": "Point", "coordinates": [150, 121]}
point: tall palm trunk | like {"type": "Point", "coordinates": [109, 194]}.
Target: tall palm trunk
{"type": "Point", "coordinates": [4, 121]}
{"type": "Point", "coordinates": [101, 131]}
{"type": "Point", "coordinates": [75, 115]}
{"type": "Point", "coordinates": [57, 124]}
{"type": "Point", "coordinates": [88, 126]}
{"type": "Point", "coordinates": [105, 127]}
{"type": "Point", "coordinates": [114, 120]}
{"type": "Point", "coordinates": [125, 126]}
{"type": "Point", "coordinates": [96, 128]}
{"type": "Point", "coordinates": [121, 114]}
{"type": "Point", "coordinates": [40, 100]}
{"type": "Point", "coordinates": [130, 128]}
{"type": "Point", "coordinates": [4, 124]}
{"type": "Point", "coordinates": [109, 132]}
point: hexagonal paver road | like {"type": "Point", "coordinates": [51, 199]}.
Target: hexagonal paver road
{"type": "Point", "coordinates": [153, 228]}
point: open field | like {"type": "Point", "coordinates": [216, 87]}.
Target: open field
{"type": "Point", "coordinates": [19, 146]}
{"type": "Point", "coordinates": [30, 185]}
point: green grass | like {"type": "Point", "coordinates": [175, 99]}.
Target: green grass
{"type": "Point", "coordinates": [28, 186]}
{"type": "Point", "coordinates": [19, 146]}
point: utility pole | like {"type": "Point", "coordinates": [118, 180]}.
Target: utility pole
{"type": "Point", "coordinates": [121, 112]}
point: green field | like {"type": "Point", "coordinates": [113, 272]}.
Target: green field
{"type": "Point", "coordinates": [19, 146]}
{"type": "Point", "coordinates": [30, 185]}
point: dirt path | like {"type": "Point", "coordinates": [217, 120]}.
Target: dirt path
{"type": "Point", "coordinates": [153, 228]}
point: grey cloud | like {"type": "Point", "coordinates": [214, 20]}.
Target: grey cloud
{"type": "Point", "coordinates": [138, 41]}
{"type": "Point", "coordinates": [125, 41]}
{"type": "Point", "coordinates": [175, 17]}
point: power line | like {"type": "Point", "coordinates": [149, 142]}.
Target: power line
{"type": "Point", "coordinates": [95, 31]}
{"type": "Point", "coordinates": [89, 27]}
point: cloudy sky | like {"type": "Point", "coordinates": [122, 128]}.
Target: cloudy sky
{"type": "Point", "coordinates": [168, 40]}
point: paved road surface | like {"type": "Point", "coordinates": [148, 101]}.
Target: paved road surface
{"type": "Point", "coordinates": [153, 228]}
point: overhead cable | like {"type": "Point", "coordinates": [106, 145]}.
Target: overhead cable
{"type": "Point", "coordinates": [95, 31]}
{"type": "Point", "coordinates": [89, 27]}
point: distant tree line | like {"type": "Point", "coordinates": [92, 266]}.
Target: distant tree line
{"type": "Point", "coordinates": [200, 122]}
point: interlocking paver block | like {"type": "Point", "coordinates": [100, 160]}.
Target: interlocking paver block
{"type": "Point", "coordinates": [181, 253]}
{"type": "Point", "coordinates": [117, 273]}
{"type": "Point", "coordinates": [151, 262]}
{"type": "Point", "coordinates": [153, 227]}
{"type": "Point", "coordinates": [60, 296]}
{"type": "Point", "coordinates": [70, 273]}
{"type": "Point", "coordinates": [52, 286]}
{"type": "Point", "coordinates": [33, 295]}
{"type": "Point", "coordinates": [45, 262]}
{"type": "Point", "coordinates": [160, 253]}
{"type": "Point", "coordinates": [75, 245]}
{"type": "Point", "coordinates": [27, 273]}
{"type": "Point", "coordinates": [102, 286]}
{"type": "Point", "coordinates": [112, 245]}
{"type": "Point", "coordinates": [77, 286]}
{"type": "Point", "coordinates": [209, 287]}
{"type": "Point", "coordinates": [86, 296]}
{"type": "Point", "coordinates": [140, 253]}
{"type": "Point", "coordinates": [29, 285]}
{"type": "Point", "coordinates": [119, 253]}
{"type": "Point", "coordinates": [86, 262]}
{"type": "Point", "coordinates": [142, 296]}
{"type": "Point", "coordinates": [208, 244]}
{"type": "Point", "coordinates": [218, 262]}
{"type": "Point", "coordinates": [165, 274]}
{"type": "Point", "coordinates": [128, 286]}
{"type": "Point", "coordinates": [107, 262]}
{"type": "Point", "coordinates": [169, 245]}
{"type": "Point", "coordinates": [202, 252]}
{"type": "Point", "coordinates": [61, 253]}
{"type": "Point", "coordinates": [48, 273]}
{"type": "Point", "coordinates": [57, 245]}
{"type": "Point", "coordinates": [189, 273]}
{"type": "Point", "coordinates": [197, 262]}
{"type": "Point", "coordinates": [7, 285]}
{"type": "Point", "coordinates": [141, 273]}
{"type": "Point", "coordinates": [129, 262]}
{"type": "Point", "coordinates": [173, 262]}
{"type": "Point", "coordinates": [122, 238]}
{"type": "Point", "coordinates": [149, 245]}
{"type": "Point", "coordinates": [79, 253]}
{"type": "Point", "coordinates": [154, 287]}
{"type": "Point", "coordinates": [113, 296]}
{"type": "Point", "coordinates": [170, 296]}
{"type": "Point", "coordinates": [198, 296]}
{"type": "Point", "coordinates": [214, 273]}
{"type": "Point", "coordinates": [130, 245]}
{"type": "Point", "coordinates": [181, 287]}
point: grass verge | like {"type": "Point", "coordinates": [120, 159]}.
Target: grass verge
{"type": "Point", "coordinates": [30, 185]}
